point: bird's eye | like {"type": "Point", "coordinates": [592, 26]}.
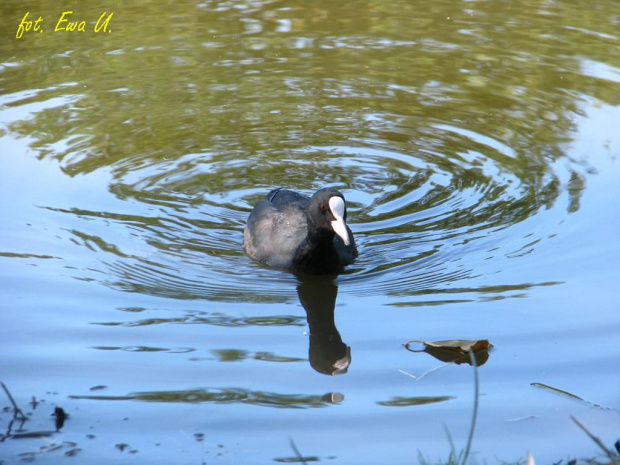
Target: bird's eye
{"type": "Point", "coordinates": [323, 207]}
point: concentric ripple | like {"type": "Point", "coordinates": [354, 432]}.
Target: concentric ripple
{"type": "Point", "coordinates": [426, 220]}
{"type": "Point", "coordinates": [432, 205]}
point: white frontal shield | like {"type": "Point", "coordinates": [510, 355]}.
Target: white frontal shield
{"type": "Point", "coordinates": [336, 205]}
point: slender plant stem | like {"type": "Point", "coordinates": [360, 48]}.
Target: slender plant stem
{"type": "Point", "coordinates": [297, 453]}
{"type": "Point", "coordinates": [474, 416]}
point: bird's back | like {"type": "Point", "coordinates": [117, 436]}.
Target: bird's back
{"type": "Point", "coordinates": [276, 227]}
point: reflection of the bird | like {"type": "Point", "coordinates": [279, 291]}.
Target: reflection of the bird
{"type": "Point", "coordinates": [328, 354]}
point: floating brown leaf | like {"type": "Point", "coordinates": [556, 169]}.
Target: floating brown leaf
{"type": "Point", "coordinates": [461, 345]}
{"type": "Point", "coordinates": [456, 351]}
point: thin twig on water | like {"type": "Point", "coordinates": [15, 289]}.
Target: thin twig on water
{"type": "Point", "coordinates": [16, 409]}
{"type": "Point", "coordinates": [613, 457]}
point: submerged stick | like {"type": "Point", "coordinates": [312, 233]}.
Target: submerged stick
{"type": "Point", "coordinates": [569, 395]}
{"type": "Point", "coordinates": [16, 409]}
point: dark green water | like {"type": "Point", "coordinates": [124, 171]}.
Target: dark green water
{"type": "Point", "coordinates": [477, 145]}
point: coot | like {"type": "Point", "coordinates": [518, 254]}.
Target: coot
{"type": "Point", "coordinates": [290, 231]}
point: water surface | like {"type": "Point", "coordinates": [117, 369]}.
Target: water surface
{"type": "Point", "coordinates": [477, 148]}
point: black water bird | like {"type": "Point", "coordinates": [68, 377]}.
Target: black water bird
{"type": "Point", "coordinates": [290, 231]}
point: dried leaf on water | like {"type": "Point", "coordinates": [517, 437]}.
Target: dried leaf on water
{"type": "Point", "coordinates": [461, 346]}
{"type": "Point", "coordinates": [456, 350]}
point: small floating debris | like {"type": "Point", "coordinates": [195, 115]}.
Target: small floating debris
{"type": "Point", "coordinates": [98, 388]}
{"type": "Point", "coordinates": [60, 417]}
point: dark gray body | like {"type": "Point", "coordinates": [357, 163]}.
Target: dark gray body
{"type": "Point", "coordinates": [278, 234]}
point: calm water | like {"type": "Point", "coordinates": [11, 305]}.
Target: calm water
{"type": "Point", "coordinates": [477, 145]}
